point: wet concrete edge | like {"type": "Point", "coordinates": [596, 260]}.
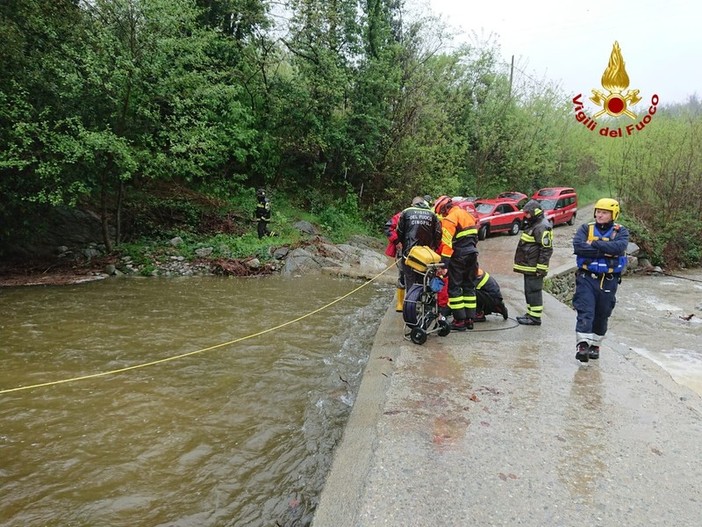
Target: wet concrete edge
{"type": "Point", "coordinates": [345, 483]}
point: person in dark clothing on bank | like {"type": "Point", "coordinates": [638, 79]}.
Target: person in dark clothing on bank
{"type": "Point", "coordinates": [263, 213]}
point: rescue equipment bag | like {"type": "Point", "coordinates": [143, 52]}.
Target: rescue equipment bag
{"type": "Point", "coordinates": [420, 256]}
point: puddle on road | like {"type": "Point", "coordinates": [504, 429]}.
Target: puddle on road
{"type": "Point", "coordinates": [660, 318]}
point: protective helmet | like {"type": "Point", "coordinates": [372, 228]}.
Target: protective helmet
{"type": "Point", "coordinates": [608, 204]}
{"type": "Point", "coordinates": [442, 204]}
{"type": "Point", "coordinates": [419, 201]}
{"type": "Point", "coordinates": [533, 207]}
{"type": "Point", "coordinates": [260, 192]}
{"type": "Point", "coordinates": [428, 199]}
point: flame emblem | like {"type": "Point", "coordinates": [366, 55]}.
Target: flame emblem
{"type": "Point", "coordinates": [615, 80]}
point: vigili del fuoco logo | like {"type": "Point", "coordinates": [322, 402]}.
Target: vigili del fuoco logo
{"type": "Point", "coordinates": [617, 102]}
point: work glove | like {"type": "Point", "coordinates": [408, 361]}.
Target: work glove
{"type": "Point", "coordinates": [540, 274]}
{"type": "Point", "coordinates": [445, 261]}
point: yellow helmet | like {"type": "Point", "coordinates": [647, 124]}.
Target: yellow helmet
{"type": "Point", "coordinates": [608, 204]}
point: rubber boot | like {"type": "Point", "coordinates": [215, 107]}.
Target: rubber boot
{"type": "Point", "coordinates": [594, 352]}
{"type": "Point", "coordinates": [400, 300]}
{"type": "Point", "coordinates": [582, 352]}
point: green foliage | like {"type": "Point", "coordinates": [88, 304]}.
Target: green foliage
{"type": "Point", "coordinates": [340, 218]}
{"type": "Point", "coordinates": [591, 192]}
{"type": "Point", "coordinates": [345, 115]}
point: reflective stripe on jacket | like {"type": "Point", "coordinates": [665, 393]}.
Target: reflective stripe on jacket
{"type": "Point", "coordinates": [535, 248]}
{"type": "Point", "coordinates": [263, 210]}
{"type": "Point", "coordinates": [458, 230]}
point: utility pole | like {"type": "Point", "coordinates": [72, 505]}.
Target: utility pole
{"type": "Point", "coordinates": [511, 75]}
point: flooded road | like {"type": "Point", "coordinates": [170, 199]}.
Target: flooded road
{"type": "Point", "coordinates": [240, 434]}
{"type": "Point", "coordinates": [652, 316]}
{"type": "Point", "coordinates": [660, 317]}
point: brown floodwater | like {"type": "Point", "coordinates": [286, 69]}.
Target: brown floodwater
{"type": "Point", "coordinates": [229, 435]}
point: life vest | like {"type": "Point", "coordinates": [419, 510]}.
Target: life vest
{"type": "Point", "coordinates": [603, 264]}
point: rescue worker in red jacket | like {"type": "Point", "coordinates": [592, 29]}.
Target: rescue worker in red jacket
{"type": "Point", "coordinates": [600, 249]}
{"type": "Point", "coordinates": [459, 252]}
{"type": "Point", "coordinates": [418, 225]}
{"type": "Point", "coordinates": [394, 250]}
{"type": "Point", "coordinates": [531, 259]}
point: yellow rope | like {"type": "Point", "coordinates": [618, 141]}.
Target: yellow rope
{"type": "Point", "coordinates": [175, 357]}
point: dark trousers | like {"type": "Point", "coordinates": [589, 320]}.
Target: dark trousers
{"type": "Point", "coordinates": [594, 300]}
{"type": "Point", "coordinates": [533, 294]}
{"type": "Point", "coordinates": [400, 262]}
{"type": "Point", "coordinates": [411, 277]}
{"type": "Point", "coordinates": [462, 269]}
{"type": "Point", "coordinates": [263, 229]}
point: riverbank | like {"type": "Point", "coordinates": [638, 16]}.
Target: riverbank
{"type": "Point", "coordinates": [359, 257]}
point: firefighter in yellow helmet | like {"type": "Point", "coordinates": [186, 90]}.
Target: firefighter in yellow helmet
{"type": "Point", "coordinates": [600, 250]}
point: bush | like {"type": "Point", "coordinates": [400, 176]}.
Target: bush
{"type": "Point", "coordinates": [674, 244]}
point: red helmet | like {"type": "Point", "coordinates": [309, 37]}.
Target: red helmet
{"type": "Point", "coordinates": [442, 205]}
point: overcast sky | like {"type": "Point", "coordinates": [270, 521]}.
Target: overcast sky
{"type": "Point", "coordinates": [570, 44]}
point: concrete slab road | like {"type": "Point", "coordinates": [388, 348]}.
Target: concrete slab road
{"type": "Point", "coordinates": [501, 426]}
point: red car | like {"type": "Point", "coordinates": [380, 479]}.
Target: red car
{"type": "Point", "coordinates": [498, 215]}
{"type": "Point", "coordinates": [467, 204]}
{"type": "Point", "coordinates": [518, 197]}
{"type": "Point", "coordinates": [560, 204]}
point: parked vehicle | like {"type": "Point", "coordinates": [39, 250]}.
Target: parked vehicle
{"type": "Point", "coordinates": [518, 197]}
{"type": "Point", "coordinates": [498, 215]}
{"type": "Point", "coordinates": [560, 204]}
{"type": "Point", "coordinates": [467, 204]}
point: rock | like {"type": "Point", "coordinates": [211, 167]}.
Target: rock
{"type": "Point", "coordinates": [175, 242]}
{"type": "Point", "coordinates": [632, 262]}
{"type": "Point", "coordinates": [91, 253]}
{"type": "Point", "coordinates": [368, 242]}
{"type": "Point", "coordinates": [302, 260]}
{"type": "Point", "coordinates": [332, 251]}
{"type": "Point", "coordinates": [306, 227]}
{"type": "Point", "coordinates": [644, 263]}
{"type": "Point", "coordinates": [351, 253]}
{"type": "Point", "coordinates": [372, 263]}
{"type": "Point", "coordinates": [203, 252]}
{"type": "Point", "coordinates": [280, 253]}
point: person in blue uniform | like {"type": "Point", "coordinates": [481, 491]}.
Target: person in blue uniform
{"type": "Point", "coordinates": [600, 250]}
